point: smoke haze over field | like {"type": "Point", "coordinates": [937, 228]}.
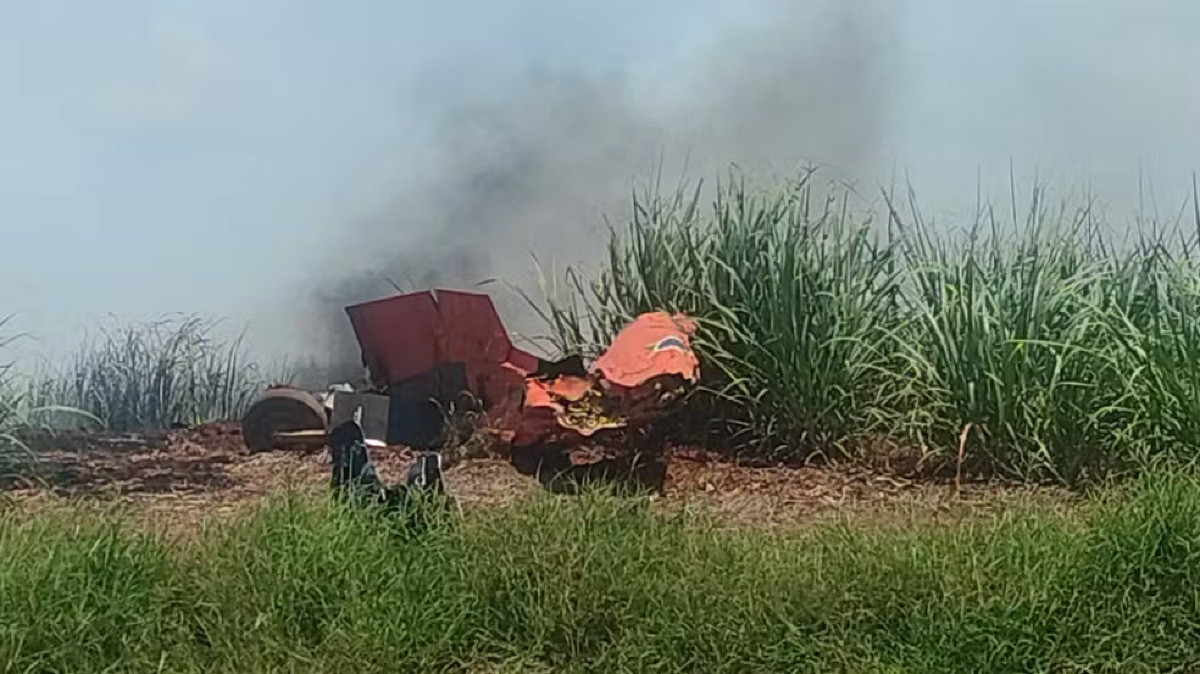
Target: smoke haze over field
{"type": "Point", "coordinates": [270, 162]}
{"type": "Point", "coordinates": [534, 168]}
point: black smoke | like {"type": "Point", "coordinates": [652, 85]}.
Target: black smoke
{"type": "Point", "coordinates": [535, 170]}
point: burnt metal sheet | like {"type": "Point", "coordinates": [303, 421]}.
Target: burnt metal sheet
{"type": "Point", "coordinates": [398, 335]}
{"type": "Point", "coordinates": [404, 335]}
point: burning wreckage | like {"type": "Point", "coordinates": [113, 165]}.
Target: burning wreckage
{"type": "Point", "coordinates": [426, 351]}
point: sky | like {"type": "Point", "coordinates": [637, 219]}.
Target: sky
{"type": "Point", "coordinates": [264, 160]}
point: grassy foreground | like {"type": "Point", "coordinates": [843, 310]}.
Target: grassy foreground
{"type": "Point", "coordinates": [603, 586]}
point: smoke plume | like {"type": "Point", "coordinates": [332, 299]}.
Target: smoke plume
{"type": "Point", "coordinates": [534, 171]}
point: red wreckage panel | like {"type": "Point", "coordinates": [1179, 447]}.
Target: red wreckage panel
{"type": "Point", "coordinates": [628, 385]}
{"type": "Point", "coordinates": [654, 345]}
{"type": "Point", "coordinates": [406, 335]}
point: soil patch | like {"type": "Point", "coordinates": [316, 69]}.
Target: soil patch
{"type": "Point", "coordinates": [176, 480]}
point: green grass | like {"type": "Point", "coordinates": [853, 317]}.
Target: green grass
{"type": "Point", "coordinates": [145, 376]}
{"type": "Point", "coordinates": [832, 324]}
{"type": "Point", "coordinates": [12, 408]}
{"type": "Point", "coordinates": [18, 412]}
{"type": "Point", "coordinates": [597, 585]}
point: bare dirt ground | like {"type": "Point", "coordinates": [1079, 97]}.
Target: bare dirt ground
{"type": "Point", "coordinates": [177, 480]}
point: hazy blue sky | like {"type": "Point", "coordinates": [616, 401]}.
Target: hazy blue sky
{"type": "Point", "coordinates": [222, 156]}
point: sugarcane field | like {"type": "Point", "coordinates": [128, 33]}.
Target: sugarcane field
{"type": "Point", "coordinates": [600, 337]}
